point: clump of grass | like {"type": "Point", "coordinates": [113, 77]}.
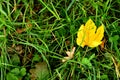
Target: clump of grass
{"type": "Point", "coordinates": [39, 31]}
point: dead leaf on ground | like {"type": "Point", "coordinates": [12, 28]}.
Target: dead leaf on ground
{"type": "Point", "coordinates": [67, 42]}
{"type": "Point", "coordinates": [18, 48]}
{"type": "Point", "coordinates": [20, 30]}
{"type": "Point", "coordinates": [117, 67]}
{"type": "Point", "coordinates": [102, 45]}
{"type": "Point", "coordinates": [70, 55]}
{"type": "Point", "coordinates": [28, 26]}
{"type": "Point", "coordinates": [40, 72]}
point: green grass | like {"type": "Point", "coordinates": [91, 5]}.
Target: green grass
{"type": "Point", "coordinates": [41, 31]}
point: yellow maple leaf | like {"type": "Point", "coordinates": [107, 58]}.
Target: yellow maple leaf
{"type": "Point", "coordinates": [89, 36]}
